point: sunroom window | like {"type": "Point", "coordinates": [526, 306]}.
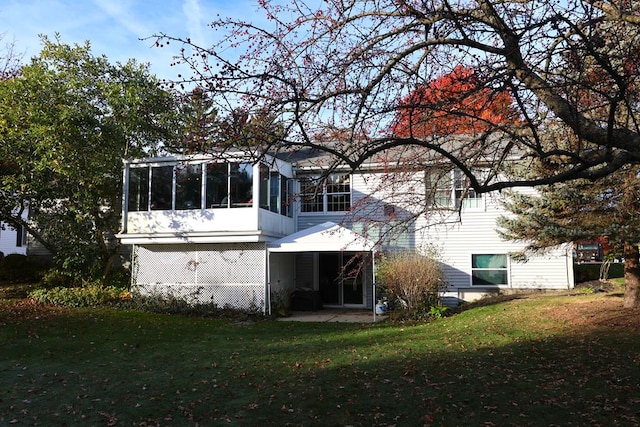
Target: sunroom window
{"type": "Point", "coordinates": [241, 185]}
{"type": "Point", "coordinates": [489, 269]}
{"type": "Point", "coordinates": [217, 185]}
{"type": "Point", "coordinates": [180, 186]}
{"type": "Point", "coordinates": [138, 196]}
{"type": "Point", "coordinates": [274, 191]}
{"type": "Point", "coordinates": [161, 188]}
{"type": "Point", "coordinates": [188, 186]}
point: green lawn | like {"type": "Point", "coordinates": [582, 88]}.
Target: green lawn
{"type": "Point", "coordinates": [549, 360]}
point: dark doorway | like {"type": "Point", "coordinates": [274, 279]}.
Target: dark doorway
{"type": "Point", "coordinates": [352, 280]}
{"type": "Point", "coordinates": [329, 278]}
{"type": "Point", "coordinates": [340, 279]}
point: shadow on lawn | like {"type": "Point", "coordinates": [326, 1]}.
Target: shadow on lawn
{"type": "Point", "coordinates": [113, 369]}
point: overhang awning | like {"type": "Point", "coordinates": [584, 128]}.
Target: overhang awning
{"type": "Point", "coordinates": [325, 237]}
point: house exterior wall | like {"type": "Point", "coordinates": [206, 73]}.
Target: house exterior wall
{"type": "Point", "coordinates": [13, 241]}
{"type": "Point", "coordinates": [219, 255]}
{"type": "Point", "coordinates": [8, 238]}
{"type": "Point", "coordinates": [378, 205]}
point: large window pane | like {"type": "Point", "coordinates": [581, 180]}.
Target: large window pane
{"type": "Point", "coordinates": [274, 191]}
{"type": "Point", "coordinates": [161, 187]}
{"type": "Point", "coordinates": [217, 185]}
{"type": "Point", "coordinates": [489, 269]}
{"type": "Point", "coordinates": [188, 186]}
{"type": "Point", "coordinates": [489, 261]}
{"type": "Point", "coordinates": [241, 191]}
{"type": "Point", "coordinates": [311, 195]}
{"type": "Point", "coordinates": [489, 277]}
{"type": "Point", "coordinates": [338, 193]}
{"type": "Point", "coordinates": [265, 184]}
{"type": "Point", "coordinates": [138, 197]}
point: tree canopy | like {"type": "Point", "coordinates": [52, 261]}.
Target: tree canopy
{"type": "Point", "coordinates": [569, 67]}
{"type": "Point", "coordinates": [66, 122]}
{"type": "Point", "coordinates": [582, 210]}
{"type": "Point", "coordinates": [453, 105]}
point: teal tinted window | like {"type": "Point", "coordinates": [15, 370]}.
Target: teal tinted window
{"type": "Point", "coordinates": [489, 269]}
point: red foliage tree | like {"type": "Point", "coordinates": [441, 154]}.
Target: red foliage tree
{"type": "Point", "coordinates": [453, 104]}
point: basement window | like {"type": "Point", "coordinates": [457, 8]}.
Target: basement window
{"type": "Point", "coordinates": [489, 269]}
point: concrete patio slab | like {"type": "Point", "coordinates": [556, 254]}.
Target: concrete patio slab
{"type": "Point", "coordinates": [333, 315]}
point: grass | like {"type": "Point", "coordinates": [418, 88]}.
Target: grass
{"type": "Point", "coordinates": [541, 360]}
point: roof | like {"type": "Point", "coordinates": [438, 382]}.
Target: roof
{"type": "Point", "coordinates": [325, 237]}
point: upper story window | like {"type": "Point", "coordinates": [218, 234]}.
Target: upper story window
{"type": "Point", "coordinates": [180, 186]}
{"type": "Point", "coordinates": [451, 190]}
{"type": "Point", "coordinates": [206, 185]}
{"type": "Point", "coordinates": [21, 236]}
{"type": "Point", "coordinates": [332, 194]}
{"type": "Point", "coordinates": [188, 186]}
{"type": "Point", "coordinates": [275, 191]}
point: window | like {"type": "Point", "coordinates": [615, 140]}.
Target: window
{"type": "Point", "coordinates": [188, 186]}
{"type": "Point", "coordinates": [21, 236]}
{"type": "Point", "coordinates": [463, 192]}
{"type": "Point", "coordinates": [241, 185]}
{"type": "Point", "coordinates": [338, 192]}
{"type": "Point", "coordinates": [161, 188]}
{"type": "Point", "coordinates": [489, 269]}
{"type": "Point", "coordinates": [311, 195]}
{"type": "Point", "coordinates": [217, 185]}
{"type": "Point", "coordinates": [274, 191]}
{"type": "Point", "coordinates": [330, 195]}
{"type": "Point", "coordinates": [451, 189]}
{"type": "Point", "coordinates": [138, 197]}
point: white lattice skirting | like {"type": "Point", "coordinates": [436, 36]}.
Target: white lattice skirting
{"type": "Point", "coordinates": [227, 275]}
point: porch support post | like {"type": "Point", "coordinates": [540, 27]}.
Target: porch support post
{"type": "Point", "coordinates": [373, 281]}
{"type": "Point", "coordinates": [267, 285]}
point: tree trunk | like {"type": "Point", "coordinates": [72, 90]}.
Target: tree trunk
{"type": "Point", "coordinates": [631, 276]}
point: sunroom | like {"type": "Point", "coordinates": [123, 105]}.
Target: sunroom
{"type": "Point", "coordinates": [199, 225]}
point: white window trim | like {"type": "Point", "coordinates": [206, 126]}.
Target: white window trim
{"type": "Point", "coordinates": [507, 269]}
{"type": "Point", "coordinates": [325, 199]}
{"type": "Point", "coordinates": [454, 201]}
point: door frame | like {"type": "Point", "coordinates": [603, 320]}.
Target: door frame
{"type": "Point", "coordinates": [319, 273]}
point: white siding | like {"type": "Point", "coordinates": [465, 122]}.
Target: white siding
{"type": "Point", "coordinates": [8, 240]}
{"type": "Point", "coordinates": [380, 203]}
{"type": "Point", "coordinates": [474, 232]}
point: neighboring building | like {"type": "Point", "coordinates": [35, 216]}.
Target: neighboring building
{"type": "Point", "coordinates": [588, 251]}
{"type": "Point", "coordinates": [231, 232]}
{"type": "Point", "coordinates": [13, 240]}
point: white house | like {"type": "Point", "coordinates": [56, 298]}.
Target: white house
{"type": "Point", "coordinates": [230, 231]}
{"type": "Point", "coordinates": [13, 240]}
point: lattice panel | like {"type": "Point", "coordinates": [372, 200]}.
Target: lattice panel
{"type": "Point", "coordinates": [221, 274]}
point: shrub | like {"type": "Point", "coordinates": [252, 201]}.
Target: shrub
{"type": "Point", "coordinates": [171, 304]}
{"type": "Point", "coordinates": [18, 267]}
{"type": "Point", "coordinates": [87, 296]}
{"type": "Point", "coordinates": [54, 278]}
{"type": "Point", "coordinates": [412, 282]}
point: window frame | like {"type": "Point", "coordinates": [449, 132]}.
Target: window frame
{"type": "Point", "coordinates": [324, 191]}
{"type": "Point", "coordinates": [504, 269]}
{"type": "Point", "coordinates": [451, 190]}
{"type": "Point", "coordinates": [235, 171]}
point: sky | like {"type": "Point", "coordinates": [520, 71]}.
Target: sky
{"type": "Point", "coordinates": [114, 27]}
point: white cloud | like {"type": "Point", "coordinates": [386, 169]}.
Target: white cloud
{"type": "Point", "coordinates": [193, 14]}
